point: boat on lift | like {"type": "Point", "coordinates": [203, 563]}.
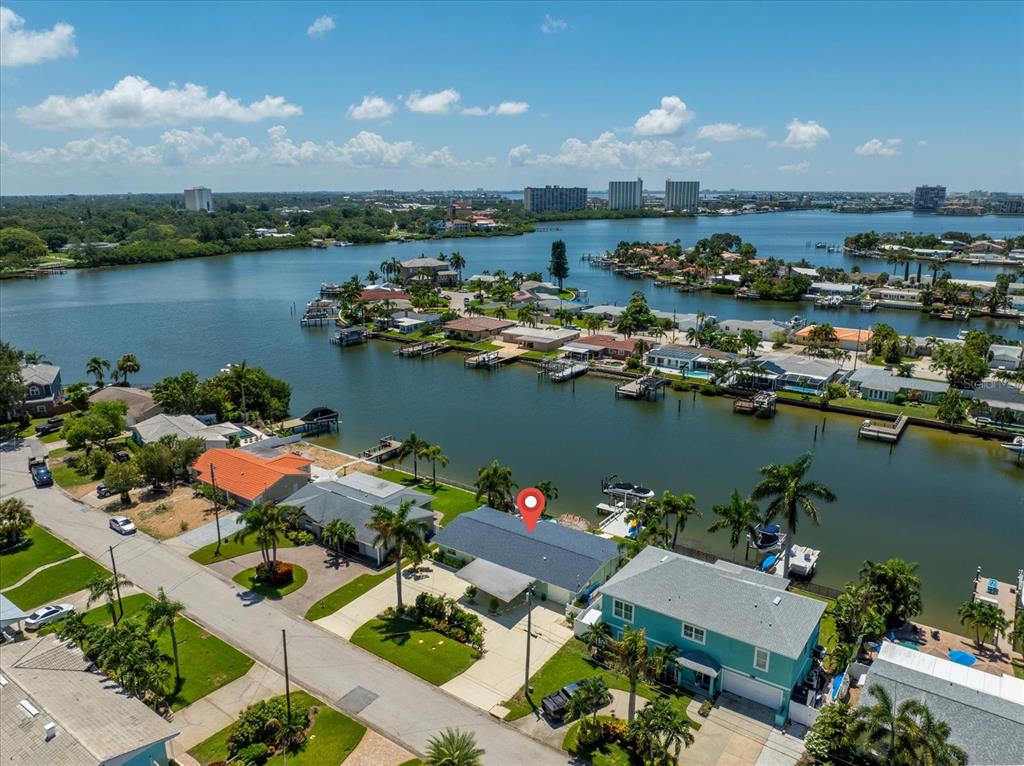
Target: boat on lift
{"type": "Point", "coordinates": [1016, 446]}
{"type": "Point", "coordinates": [625, 490]}
{"type": "Point", "coordinates": [767, 537]}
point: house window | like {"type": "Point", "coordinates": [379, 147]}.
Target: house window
{"type": "Point", "coordinates": [33, 391]}
{"type": "Point", "coordinates": [693, 633]}
{"type": "Point", "coordinates": [761, 659]}
{"type": "Point", "coordinates": [622, 610]}
{"type": "Point", "coordinates": [40, 408]}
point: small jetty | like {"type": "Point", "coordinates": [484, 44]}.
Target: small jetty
{"type": "Point", "coordinates": [318, 313]}
{"type": "Point", "coordinates": [762, 404]}
{"type": "Point", "coordinates": [648, 387]}
{"type": "Point", "coordinates": [331, 288]}
{"type": "Point", "coordinates": [386, 449]}
{"type": "Point", "coordinates": [486, 359]}
{"type": "Point", "coordinates": [561, 370]}
{"type": "Point", "coordinates": [868, 305]}
{"type": "Point", "coordinates": [829, 302]}
{"type": "Point", "coordinates": [50, 270]}
{"type": "Point", "coordinates": [423, 349]}
{"type": "Point", "coordinates": [884, 431]}
{"type": "Point", "coordinates": [319, 420]}
{"type": "Point", "coordinates": [349, 336]}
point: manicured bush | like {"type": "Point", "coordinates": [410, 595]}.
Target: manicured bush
{"type": "Point", "coordinates": [265, 723]}
{"type": "Point", "coordinates": [282, 574]}
{"type": "Point", "coordinates": [255, 754]}
{"type": "Point", "coordinates": [615, 730]}
{"type": "Point", "coordinates": [705, 708]}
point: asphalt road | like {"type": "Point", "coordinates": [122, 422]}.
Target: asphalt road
{"type": "Point", "coordinates": [395, 703]}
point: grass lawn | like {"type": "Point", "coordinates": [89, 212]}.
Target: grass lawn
{"type": "Point", "coordinates": [69, 476]}
{"type": "Point", "coordinates": [449, 501]}
{"type": "Point", "coordinates": [571, 663]}
{"type": "Point", "coordinates": [600, 754]}
{"type": "Point", "coordinates": [41, 548]}
{"type": "Point", "coordinates": [347, 593]}
{"type": "Point", "coordinates": [1018, 670]}
{"type": "Point", "coordinates": [913, 410]}
{"type": "Point", "coordinates": [423, 652]}
{"type": "Point", "coordinates": [207, 663]}
{"type": "Point", "coordinates": [331, 740]}
{"type": "Point", "coordinates": [229, 549]}
{"type": "Point", "coordinates": [827, 635]}
{"type": "Point", "coordinates": [53, 583]}
{"type": "Point", "coordinates": [247, 578]}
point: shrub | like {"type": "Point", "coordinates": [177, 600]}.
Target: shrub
{"type": "Point", "coordinates": [266, 723]}
{"type": "Point", "coordinates": [471, 593]}
{"type": "Point", "coordinates": [183, 525]}
{"type": "Point", "coordinates": [255, 754]}
{"type": "Point", "coordinates": [282, 574]}
{"type": "Point", "coordinates": [723, 289]}
{"type": "Point", "coordinates": [712, 389]}
{"type": "Point", "coordinates": [301, 537]}
{"type": "Point", "coordinates": [615, 730]}
{"type": "Point", "coordinates": [98, 461]}
{"type": "Point", "coordinates": [494, 603]}
{"type": "Point", "coordinates": [705, 708]}
{"type": "Point", "coordinates": [633, 363]}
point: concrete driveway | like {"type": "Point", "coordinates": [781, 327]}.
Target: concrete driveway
{"type": "Point", "coordinates": [499, 673]}
{"type": "Point", "coordinates": [739, 732]}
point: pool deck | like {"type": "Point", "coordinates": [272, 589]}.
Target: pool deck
{"type": "Point", "coordinates": [988, 660]}
{"type": "Point", "coordinates": [1006, 596]}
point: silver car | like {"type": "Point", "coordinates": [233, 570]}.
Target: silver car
{"type": "Point", "coordinates": [122, 525]}
{"type": "Point", "coordinates": [44, 615]}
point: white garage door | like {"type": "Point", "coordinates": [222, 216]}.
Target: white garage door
{"type": "Point", "coordinates": [752, 689]}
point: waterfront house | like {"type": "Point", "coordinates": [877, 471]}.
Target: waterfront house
{"type": "Point", "coordinates": [985, 712]}
{"type": "Point", "coordinates": [140, 403]}
{"type": "Point", "coordinates": [474, 329]}
{"type": "Point", "coordinates": [843, 289]}
{"type": "Point", "coordinates": [763, 328]}
{"type": "Point", "coordinates": [736, 629]}
{"type": "Point", "coordinates": [540, 288]}
{"type": "Point", "coordinates": [551, 306]}
{"type": "Point", "coordinates": [351, 499]}
{"type": "Point", "coordinates": [539, 338]}
{"type": "Point", "coordinates": [427, 270]}
{"type": "Point", "coordinates": [588, 347]}
{"type": "Point", "coordinates": [460, 226]}
{"type": "Point", "coordinates": [483, 279]}
{"type": "Point", "coordinates": [56, 709]}
{"type": "Point", "coordinates": [502, 559]}
{"type": "Point", "coordinates": [899, 296]}
{"type": "Point", "coordinates": [249, 478]}
{"type": "Point", "coordinates": [782, 371]}
{"type": "Point", "coordinates": [880, 385]}
{"type": "Point", "coordinates": [381, 293]}
{"type": "Point", "coordinates": [43, 389]}
{"type": "Point", "coordinates": [407, 322]}
{"type": "Point", "coordinates": [1005, 357]}
{"type": "Point", "coordinates": [681, 322]}
{"type": "Point", "coordinates": [851, 339]}
{"type": "Point", "coordinates": [157, 427]}
{"type": "Point", "coordinates": [672, 358]}
{"type": "Point", "coordinates": [995, 396]}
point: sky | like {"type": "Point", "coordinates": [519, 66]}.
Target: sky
{"type": "Point", "coordinates": [153, 97]}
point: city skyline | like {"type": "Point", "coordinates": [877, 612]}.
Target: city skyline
{"type": "Point", "coordinates": [97, 101]}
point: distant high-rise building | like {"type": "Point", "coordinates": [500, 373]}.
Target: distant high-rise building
{"type": "Point", "coordinates": [199, 198]}
{"type": "Point", "coordinates": [626, 195]}
{"type": "Point", "coordinates": [682, 196]}
{"type": "Point", "coordinates": [928, 199]}
{"type": "Point", "coordinates": [547, 199]}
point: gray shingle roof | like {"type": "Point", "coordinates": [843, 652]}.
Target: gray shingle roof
{"type": "Point", "coordinates": [983, 721]}
{"type": "Point", "coordinates": [883, 380]}
{"type": "Point", "coordinates": [40, 374]}
{"type": "Point", "coordinates": [724, 598]}
{"type": "Point", "coordinates": [551, 553]}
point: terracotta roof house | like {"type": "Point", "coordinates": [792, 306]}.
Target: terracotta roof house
{"type": "Point", "coordinates": [475, 328]}
{"type": "Point", "coordinates": [381, 294]}
{"type": "Point", "coordinates": [252, 479]}
{"type": "Point", "coordinates": [140, 403]}
{"type": "Point", "coordinates": [849, 338]}
{"type": "Point", "coordinates": [598, 346]}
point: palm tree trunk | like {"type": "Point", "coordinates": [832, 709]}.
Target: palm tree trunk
{"type": "Point", "coordinates": [398, 575]}
{"type": "Point", "coordinates": [789, 547]}
{"type": "Point", "coordinates": [415, 469]}
{"type": "Point", "coordinates": [632, 698]}
{"type": "Point", "coordinates": [433, 469]}
{"type": "Point", "coordinates": [174, 649]}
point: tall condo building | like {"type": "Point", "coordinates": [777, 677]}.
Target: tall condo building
{"type": "Point", "coordinates": [682, 196]}
{"type": "Point", "coordinates": [199, 198]}
{"type": "Point", "coordinates": [928, 199]}
{"type": "Point", "coordinates": [626, 195]}
{"type": "Point", "coordinates": [547, 199]}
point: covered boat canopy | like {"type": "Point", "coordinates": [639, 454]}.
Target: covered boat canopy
{"type": "Point", "coordinates": [700, 662]}
{"type": "Point", "coordinates": [495, 579]}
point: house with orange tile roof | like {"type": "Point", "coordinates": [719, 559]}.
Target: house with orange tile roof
{"type": "Point", "coordinates": [850, 339]}
{"type": "Point", "coordinates": [249, 478]}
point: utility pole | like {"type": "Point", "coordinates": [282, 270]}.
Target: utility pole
{"type": "Point", "coordinates": [216, 504]}
{"type": "Point", "coordinates": [117, 584]}
{"type": "Point", "coordinates": [529, 632]}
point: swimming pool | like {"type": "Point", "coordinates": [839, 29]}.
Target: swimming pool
{"type": "Point", "coordinates": [702, 374]}
{"type": "Point", "coordinates": [802, 390]}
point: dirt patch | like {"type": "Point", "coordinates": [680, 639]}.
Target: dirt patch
{"type": "Point", "coordinates": [164, 515]}
{"type": "Point", "coordinates": [323, 458]}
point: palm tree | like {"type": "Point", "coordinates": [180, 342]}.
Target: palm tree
{"type": "Point", "coordinates": [1016, 636]}
{"type": "Point", "coordinates": [629, 657]}
{"type": "Point", "coordinates": [740, 516]}
{"type": "Point", "coordinates": [98, 368]}
{"type": "Point", "coordinates": [415, 446]}
{"type": "Point", "coordinates": [933, 747]}
{"type": "Point", "coordinates": [789, 494]}
{"type": "Point", "coordinates": [590, 696]}
{"type": "Point", "coordinates": [895, 588]}
{"type": "Point", "coordinates": [494, 482]}
{"type": "Point", "coordinates": [457, 262]}
{"type": "Point", "coordinates": [660, 732]}
{"type": "Point", "coordinates": [549, 490]}
{"type": "Point", "coordinates": [161, 614]}
{"type": "Point", "coordinates": [396, 530]}
{"type": "Point", "coordinates": [104, 586]}
{"type": "Point", "coordinates": [750, 340]}
{"type": "Point", "coordinates": [453, 748]}
{"type": "Point", "coordinates": [597, 637]}
{"type": "Point", "coordinates": [337, 533]}
{"type": "Point", "coordinates": [680, 507]}
{"type": "Point", "coordinates": [15, 520]}
{"type": "Point", "coordinates": [127, 365]}
{"type": "Point", "coordinates": [993, 622]}
{"type": "Point", "coordinates": [972, 614]}
{"type": "Point", "coordinates": [238, 376]}
{"type": "Point", "coordinates": [267, 523]}
{"type": "Point", "coordinates": [433, 454]}
{"type": "Point", "coordinates": [889, 732]}
{"type": "Point", "coordinates": [33, 357]}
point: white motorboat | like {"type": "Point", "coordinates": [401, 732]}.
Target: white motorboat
{"type": "Point", "coordinates": [1016, 446]}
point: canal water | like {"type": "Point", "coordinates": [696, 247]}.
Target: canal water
{"type": "Point", "coordinates": [951, 503]}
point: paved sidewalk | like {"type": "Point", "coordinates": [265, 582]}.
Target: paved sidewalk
{"type": "Point", "coordinates": [394, 702]}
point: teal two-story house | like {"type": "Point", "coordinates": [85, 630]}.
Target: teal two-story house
{"type": "Point", "coordinates": [736, 629]}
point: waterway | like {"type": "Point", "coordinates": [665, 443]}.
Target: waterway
{"type": "Point", "coordinates": [949, 502]}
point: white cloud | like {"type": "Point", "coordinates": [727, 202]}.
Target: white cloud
{"type": "Point", "coordinates": [440, 102]}
{"type": "Point", "coordinates": [551, 25]}
{"type": "Point", "coordinates": [728, 131]}
{"type": "Point", "coordinates": [803, 135]}
{"type": "Point", "coordinates": [922, 142]}
{"type": "Point", "coordinates": [321, 26]}
{"type": "Point", "coordinates": [135, 103]}
{"type": "Point", "coordinates": [799, 167]}
{"type": "Point", "coordinates": [876, 147]}
{"type": "Point", "coordinates": [666, 120]}
{"type": "Point", "coordinates": [607, 151]}
{"type": "Point", "coordinates": [19, 46]}
{"type": "Point", "coordinates": [371, 108]}
{"type": "Point", "coordinates": [504, 109]}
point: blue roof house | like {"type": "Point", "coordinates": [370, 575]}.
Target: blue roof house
{"type": "Point", "coordinates": [736, 629]}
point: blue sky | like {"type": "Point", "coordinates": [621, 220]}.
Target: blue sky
{"type": "Point", "coordinates": [115, 97]}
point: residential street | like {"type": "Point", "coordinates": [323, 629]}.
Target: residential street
{"type": "Point", "coordinates": [380, 695]}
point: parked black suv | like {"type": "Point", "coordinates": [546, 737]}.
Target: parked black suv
{"type": "Point", "coordinates": [554, 704]}
{"type": "Point", "coordinates": [41, 475]}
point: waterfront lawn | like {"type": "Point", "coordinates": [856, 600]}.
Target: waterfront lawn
{"type": "Point", "coordinates": [601, 753]}
{"type": "Point", "coordinates": [55, 582]}
{"type": "Point", "coordinates": [39, 547]}
{"type": "Point", "coordinates": [229, 549]}
{"type": "Point", "coordinates": [827, 632]}
{"type": "Point", "coordinates": [927, 411]}
{"type": "Point", "coordinates": [572, 663]}
{"type": "Point", "coordinates": [448, 500]}
{"type": "Point", "coordinates": [346, 594]}
{"type": "Point", "coordinates": [331, 740]}
{"type": "Point", "coordinates": [247, 578]}
{"type": "Point", "coordinates": [423, 652]}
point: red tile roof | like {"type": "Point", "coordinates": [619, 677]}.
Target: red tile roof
{"type": "Point", "coordinates": [384, 295]}
{"type": "Point", "coordinates": [606, 341]}
{"type": "Point", "coordinates": [246, 475]}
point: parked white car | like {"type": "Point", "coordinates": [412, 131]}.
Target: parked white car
{"type": "Point", "coordinates": [44, 615]}
{"type": "Point", "coordinates": [122, 525]}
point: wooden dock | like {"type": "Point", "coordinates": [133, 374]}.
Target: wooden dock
{"type": "Point", "coordinates": [349, 336]}
{"type": "Point", "coordinates": [386, 449]}
{"type": "Point", "coordinates": [487, 359]}
{"type": "Point", "coordinates": [646, 387]}
{"type": "Point", "coordinates": [316, 320]}
{"type": "Point", "coordinates": [423, 349]}
{"type": "Point", "coordinates": [561, 370]}
{"type": "Point", "coordinates": [884, 431]}
{"type": "Point", "coordinates": [762, 404]}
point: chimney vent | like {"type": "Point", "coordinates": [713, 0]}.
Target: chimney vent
{"type": "Point", "coordinates": [51, 730]}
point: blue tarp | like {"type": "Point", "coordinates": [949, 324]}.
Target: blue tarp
{"type": "Point", "coordinates": [961, 657]}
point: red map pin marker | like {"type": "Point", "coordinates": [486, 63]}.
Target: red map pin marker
{"type": "Point", "coordinates": [530, 502]}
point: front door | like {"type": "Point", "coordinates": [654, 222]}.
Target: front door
{"type": "Point", "coordinates": [703, 680]}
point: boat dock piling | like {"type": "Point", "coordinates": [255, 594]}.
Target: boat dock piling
{"type": "Point", "coordinates": [349, 336]}
{"type": "Point", "coordinates": [424, 349]}
{"type": "Point", "coordinates": [386, 449]}
{"type": "Point", "coordinates": [646, 387]}
{"type": "Point", "coordinates": [561, 370]}
{"type": "Point", "coordinates": [487, 359]}
{"type": "Point", "coordinates": [883, 431]}
{"type": "Point", "coordinates": [762, 404]}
